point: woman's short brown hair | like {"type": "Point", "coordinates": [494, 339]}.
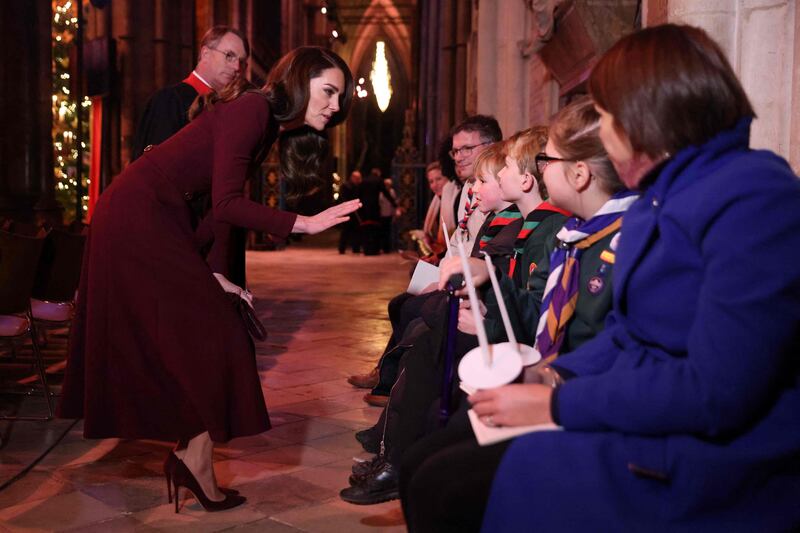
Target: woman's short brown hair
{"type": "Point", "coordinates": [668, 87]}
{"type": "Point", "coordinates": [433, 166]}
{"type": "Point", "coordinates": [288, 82]}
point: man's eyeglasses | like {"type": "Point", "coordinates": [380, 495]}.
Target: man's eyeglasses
{"type": "Point", "coordinates": [542, 160]}
{"type": "Point", "coordinates": [230, 57]}
{"type": "Point", "coordinates": [466, 151]}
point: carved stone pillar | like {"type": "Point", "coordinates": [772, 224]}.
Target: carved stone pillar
{"type": "Point", "coordinates": [760, 38]}
{"type": "Point", "coordinates": [503, 63]}
{"type": "Point", "coordinates": [27, 185]}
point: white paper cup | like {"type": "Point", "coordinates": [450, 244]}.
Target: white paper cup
{"type": "Point", "coordinates": [506, 366]}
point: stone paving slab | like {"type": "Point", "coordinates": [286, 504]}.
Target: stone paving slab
{"type": "Point", "coordinates": [326, 317]}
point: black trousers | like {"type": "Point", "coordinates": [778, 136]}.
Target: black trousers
{"type": "Point", "coordinates": [413, 408]}
{"type": "Point", "coordinates": [446, 478]}
{"type": "Point", "coordinates": [387, 244]}
{"type": "Point", "coordinates": [403, 310]}
{"type": "Point", "coordinates": [350, 235]}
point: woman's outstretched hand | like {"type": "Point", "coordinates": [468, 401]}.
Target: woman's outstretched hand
{"type": "Point", "coordinates": [326, 219]}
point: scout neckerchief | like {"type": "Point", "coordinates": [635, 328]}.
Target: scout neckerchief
{"type": "Point", "coordinates": [469, 207]}
{"type": "Point", "coordinates": [561, 291]}
{"type": "Point", "coordinates": [533, 219]}
{"type": "Point", "coordinates": [498, 222]}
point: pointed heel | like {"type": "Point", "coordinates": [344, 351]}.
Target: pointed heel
{"type": "Point", "coordinates": [169, 468]}
{"type": "Point", "coordinates": [169, 486]}
{"type": "Point", "coordinates": [183, 477]}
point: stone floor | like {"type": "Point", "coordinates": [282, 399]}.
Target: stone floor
{"type": "Point", "coordinates": [326, 316]}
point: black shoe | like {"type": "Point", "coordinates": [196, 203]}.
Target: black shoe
{"type": "Point", "coordinates": [361, 468]}
{"type": "Point", "coordinates": [379, 485]}
{"type": "Point", "coordinates": [370, 440]}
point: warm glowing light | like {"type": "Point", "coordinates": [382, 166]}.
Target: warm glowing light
{"type": "Point", "coordinates": [380, 77]}
{"type": "Point", "coordinates": [361, 81]}
{"type": "Point", "coordinates": [335, 34]}
{"type": "Point", "coordinates": [324, 10]}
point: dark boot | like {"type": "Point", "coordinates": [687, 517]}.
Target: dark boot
{"type": "Point", "coordinates": [379, 485]}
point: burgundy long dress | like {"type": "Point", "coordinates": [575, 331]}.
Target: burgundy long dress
{"type": "Point", "coordinates": [157, 351]}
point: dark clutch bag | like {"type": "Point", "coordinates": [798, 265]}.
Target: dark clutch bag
{"type": "Point", "coordinates": [254, 326]}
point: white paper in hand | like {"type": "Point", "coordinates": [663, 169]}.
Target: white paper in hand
{"type": "Point", "coordinates": [486, 435]}
{"type": "Point", "coordinates": [424, 275]}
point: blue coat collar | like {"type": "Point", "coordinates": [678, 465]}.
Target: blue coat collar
{"type": "Point", "coordinates": [682, 170]}
{"type": "Point", "coordinates": [693, 162]}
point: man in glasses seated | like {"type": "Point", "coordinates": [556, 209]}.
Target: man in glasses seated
{"type": "Point", "coordinates": [470, 138]}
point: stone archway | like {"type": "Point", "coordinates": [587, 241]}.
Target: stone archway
{"type": "Point", "coordinates": [384, 21]}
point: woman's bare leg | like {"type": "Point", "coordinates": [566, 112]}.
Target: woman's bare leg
{"type": "Point", "coordinates": [198, 458]}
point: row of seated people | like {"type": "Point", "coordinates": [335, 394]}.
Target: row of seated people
{"type": "Point", "coordinates": [519, 236]}
{"type": "Point", "coordinates": [455, 205]}
{"type": "Point", "coordinates": [668, 326]}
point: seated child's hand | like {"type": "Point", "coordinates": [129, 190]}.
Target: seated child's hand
{"type": "Point", "coordinates": [452, 265]}
{"type": "Point", "coordinates": [466, 322]}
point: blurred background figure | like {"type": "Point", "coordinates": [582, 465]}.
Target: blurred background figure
{"type": "Point", "coordinates": [351, 230]}
{"type": "Point", "coordinates": [387, 200]}
{"type": "Point", "coordinates": [371, 190]}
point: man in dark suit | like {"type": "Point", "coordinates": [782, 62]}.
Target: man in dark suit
{"type": "Point", "coordinates": [223, 56]}
{"type": "Point", "coordinates": [370, 211]}
{"type": "Point", "coordinates": [351, 230]}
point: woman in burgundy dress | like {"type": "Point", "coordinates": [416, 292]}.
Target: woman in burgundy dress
{"type": "Point", "coordinates": [157, 350]}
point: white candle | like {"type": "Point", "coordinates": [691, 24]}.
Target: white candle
{"type": "Point", "coordinates": [448, 253]}
{"type": "Point", "coordinates": [473, 303]}
{"type": "Point", "coordinates": [501, 303]}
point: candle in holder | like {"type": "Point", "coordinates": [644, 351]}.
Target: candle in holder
{"type": "Point", "coordinates": [501, 303]}
{"type": "Point", "coordinates": [474, 304]}
{"type": "Point", "coordinates": [449, 252]}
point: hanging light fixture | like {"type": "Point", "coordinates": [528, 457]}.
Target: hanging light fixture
{"type": "Point", "coordinates": [380, 77]}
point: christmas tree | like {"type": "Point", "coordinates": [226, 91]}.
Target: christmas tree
{"type": "Point", "coordinates": [65, 117]}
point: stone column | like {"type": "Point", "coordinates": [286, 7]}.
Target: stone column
{"type": "Point", "coordinates": [760, 38]}
{"type": "Point", "coordinates": [27, 184]}
{"type": "Point", "coordinates": [503, 64]}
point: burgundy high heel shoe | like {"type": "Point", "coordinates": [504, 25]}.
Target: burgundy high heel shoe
{"type": "Point", "coordinates": [179, 475]}
{"type": "Point", "coordinates": [169, 468]}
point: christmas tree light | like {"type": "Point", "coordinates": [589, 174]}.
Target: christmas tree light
{"type": "Point", "coordinates": [65, 118]}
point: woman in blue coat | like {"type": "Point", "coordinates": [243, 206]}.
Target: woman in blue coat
{"type": "Point", "coordinates": [684, 413]}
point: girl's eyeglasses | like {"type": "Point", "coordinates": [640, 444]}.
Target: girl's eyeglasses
{"type": "Point", "coordinates": [542, 160]}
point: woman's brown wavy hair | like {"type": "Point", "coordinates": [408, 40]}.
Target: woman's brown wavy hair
{"type": "Point", "coordinates": [303, 151]}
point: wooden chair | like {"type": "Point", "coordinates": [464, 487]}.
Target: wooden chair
{"type": "Point", "coordinates": [19, 257]}
{"type": "Point", "coordinates": [57, 276]}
